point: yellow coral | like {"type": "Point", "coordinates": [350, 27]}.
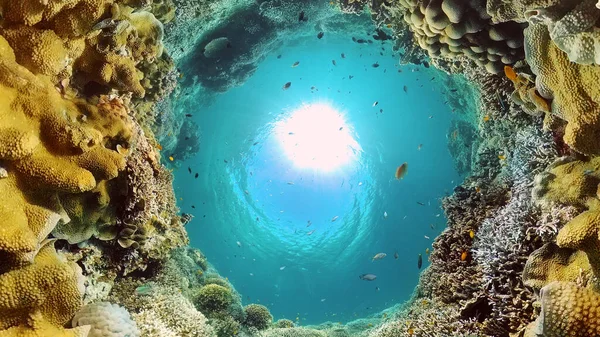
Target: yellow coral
{"type": "Point", "coordinates": [38, 327]}
{"type": "Point", "coordinates": [49, 286]}
{"type": "Point", "coordinates": [551, 263]}
{"type": "Point", "coordinates": [568, 311]}
{"type": "Point", "coordinates": [573, 87]}
{"type": "Point", "coordinates": [582, 233]}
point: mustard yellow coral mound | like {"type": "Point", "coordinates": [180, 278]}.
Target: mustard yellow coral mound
{"type": "Point", "coordinates": [571, 182]}
{"type": "Point", "coordinates": [50, 145]}
{"type": "Point", "coordinates": [568, 311]}
{"type": "Point", "coordinates": [573, 88]}
{"type": "Point", "coordinates": [583, 233]}
{"type": "Point", "coordinates": [551, 263]}
{"type": "Point", "coordinates": [49, 287]}
{"type": "Point", "coordinates": [38, 327]}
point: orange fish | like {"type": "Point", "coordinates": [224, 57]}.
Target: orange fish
{"type": "Point", "coordinates": [510, 73]}
{"type": "Point", "coordinates": [411, 331]}
{"type": "Point", "coordinates": [158, 146]}
{"type": "Point", "coordinates": [477, 189]}
{"type": "Point", "coordinates": [471, 234]}
{"type": "Point", "coordinates": [486, 118]}
{"type": "Point", "coordinates": [401, 171]}
{"type": "Point", "coordinates": [463, 256]}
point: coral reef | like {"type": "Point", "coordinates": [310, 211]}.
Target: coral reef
{"type": "Point", "coordinates": [257, 316]}
{"type": "Point", "coordinates": [213, 299]}
{"type": "Point", "coordinates": [106, 320]}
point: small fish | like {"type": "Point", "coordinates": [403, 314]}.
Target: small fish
{"type": "Point", "coordinates": [486, 118]}
{"type": "Point", "coordinates": [320, 35]}
{"type": "Point", "coordinates": [425, 64]}
{"type": "Point", "coordinates": [310, 233]}
{"type": "Point", "coordinates": [301, 17]}
{"type": "Point", "coordinates": [246, 191]}
{"type": "Point", "coordinates": [368, 277]}
{"type": "Point", "coordinates": [251, 274]}
{"type": "Point", "coordinates": [323, 300]}
{"type": "Point", "coordinates": [297, 63]}
{"type": "Point", "coordinates": [171, 158]}
{"type": "Point", "coordinates": [194, 207]}
{"type": "Point", "coordinates": [405, 88]}
{"type": "Point", "coordinates": [286, 86]}
{"type": "Point", "coordinates": [396, 256]}
{"type": "Point", "coordinates": [381, 110]}
{"type": "Point", "coordinates": [510, 73]}
{"type": "Point", "coordinates": [427, 251]}
{"type": "Point", "coordinates": [239, 244]}
{"type": "Point", "coordinates": [501, 157]}
{"type": "Point", "coordinates": [189, 170]}
{"type": "Point", "coordinates": [420, 261]}
{"type": "Point", "coordinates": [282, 268]}
{"type": "Point", "coordinates": [279, 56]}
{"type": "Point", "coordinates": [471, 234]}
{"type": "Point", "coordinates": [463, 256]}
{"type": "Point", "coordinates": [477, 189]}
{"type": "Point", "coordinates": [309, 223]}
{"type": "Point", "coordinates": [379, 256]}
{"type": "Point", "coordinates": [453, 90]}
{"type": "Point", "coordinates": [188, 115]}
{"type": "Point", "coordinates": [255, 143]}
{"type": "Point", "coordinates": [385, 215]}
{"type": "Point", "coordinates": [341, 128]}
{"type": "Point", "coordinates": [350, 77]}
{"type": "Point", "coordinates": [196, 176]}
{"type": "Point", "coordinates": [401, 171]}
{"type": "Point", "coordinates": [290, 133]}
{"type": "Point", "coordinates": [333, 61]}
{"type": "Point", "coordinates": [376, 288]}
{"type": "Point", "coordinates": [375, 103]}
{"type": "Point", "coordinates": [420, 203]}
{"type": "Point", "coordinates": [334, 218]}
{"type": "Point", "coordinates": [225, 161]}
{"type": "Point", "coordinates": [343, 56]}
{"type": "Point", "coordinates": [427, 237]}
{"type": "Point", "coordinates": [360, 183]}
{"type": "Point", "coordinates": [419, 147]}
{"type": "Point", "coordinates": [375, 65]}
{"type": "Point", "coordinates": [290, 183]}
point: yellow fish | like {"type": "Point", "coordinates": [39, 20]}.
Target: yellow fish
{"type": "Point", "coordinates": [171, 158]}
{"type": "Point", "coordinates": [486, 118]}
{"type": "Point", "coordinates": [471, 234]}
{"type": "Point", "coordinates": [463, 256]}
{"type": "Point", "coordinates": [200, 272]}
{"type": "Point", "coordinates": [501, 157]}
{"type": "Point", "coordinates": [477, 189]}
{"type": "Point", "coordinates": [427, 251]}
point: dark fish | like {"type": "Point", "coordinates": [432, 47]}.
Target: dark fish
{"type": "Point", "coordinates": [301, 17]}
{"type": "Point", "coordinates": [278, 56]}
{"type": "Point", "coordinates": [350, 77]}
{"type": "Point", "coordinates": [384, 71]}
{"type": "Point", "coordinates": [381, 53]}
{"type": "Point", "coordinates": [333, 61]}
{"type": "Point", "coordinates": [341, 127]}
{"type": "Point", "coordinates": [193, 206]}
{"type": "Point", "coordinates": [433, 78]}
{"type": "Point", "coordinates": [196, 175]}
{"type": "Point", "coordinates": [225, 160]}
{"type": "Point", "coordinates": [188, 115]}
{"type": "Point", "coordinates": [399, 70]}
{"type": "Point", "coordinates": [187, 138]}
{"type": "Point", "coordinates": [375, 65]}
{"type": "Point", "coordinates": [320, 35]}
{"type": "Point", "coordinates": [370, 41]}
{"type": "Point", "coordinates": [287, 86]}
{"type": "Point", "coordinates": [189, 169]}
{"type": "Point", "coordinates": [255, 143]}
{"type": "Point", "coordinates": [453, 90]}
{"type": "Point", "coordinates": [376, 288]}
{"type": "Point", "coordinates": [367, 277]}
{"type": "Point", "coordinates": [420, 261]}
{"type": "Point", "coordinates": [420, 203]}
{"type": "Point", "coordinates": [405, 88]}
{"type": "Point", "coordinates": [396, 256]}
{"type": "Point", "coordinates": [343, 56]}
{"type": "Point", "coordinates": [380, 110]}
{"type": "Point", "coordinates": [353, 39]}
{"type": "Point", "coordinates": [361, 41]}
{"type": "Point", "coordinates": [425, 64]}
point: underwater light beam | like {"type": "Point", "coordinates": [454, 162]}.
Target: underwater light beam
{"type": "Point", "coordinates": [316, 136]}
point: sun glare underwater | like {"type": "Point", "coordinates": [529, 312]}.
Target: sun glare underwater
{"type": "Point", "coordinates": [296, 190]}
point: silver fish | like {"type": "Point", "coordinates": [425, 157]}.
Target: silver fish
{"type": "Point", "coordinates": [368, 277]}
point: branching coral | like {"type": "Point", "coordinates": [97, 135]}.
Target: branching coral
{"type": "Point", "coordinates": [257, 316]}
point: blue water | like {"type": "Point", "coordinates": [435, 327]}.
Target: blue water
{"type": "Point", "coordinates": [252, 224]}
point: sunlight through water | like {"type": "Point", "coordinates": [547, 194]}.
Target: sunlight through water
{"type": "Point", "coordinates": [316, 136]}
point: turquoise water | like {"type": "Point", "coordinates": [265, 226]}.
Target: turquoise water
{"type": "Point", "coordinates": [253, 200]}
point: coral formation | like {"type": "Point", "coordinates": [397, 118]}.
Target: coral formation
{"type": "Point", "coordinates": [106, 320]}
{"type": "Point", "coordinates": [450, 29]}
{"type": "Point", "coordinates": [257, 316]}
{"type": "Point", "coordinates": [213, 299]}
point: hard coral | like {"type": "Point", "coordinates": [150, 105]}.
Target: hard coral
{"type": "Point", "coordinates": [106, 320]}
{"type": "Point", "coordinates": [257, 316]}
{"type": "Point", "coordinates": [214, 299]}
{"type": "Point", "coordinates": [48, 288]}
{"type": "Point", "coordinates": [448, 28]}
{"type": "Point", "coordinates": [571, 87]}
{"type": "Point", "coordinates": [568, 311]}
